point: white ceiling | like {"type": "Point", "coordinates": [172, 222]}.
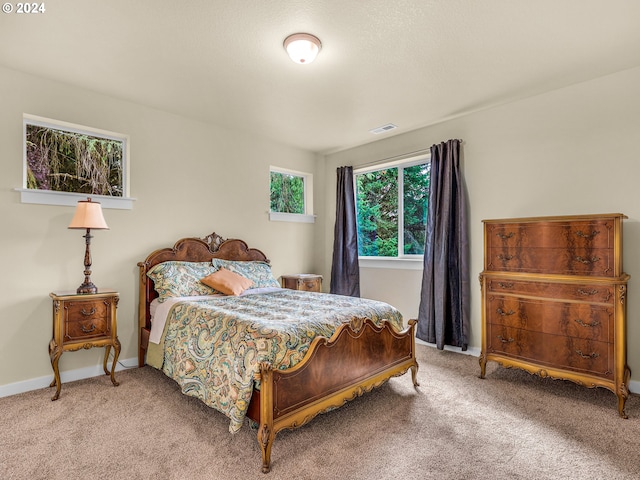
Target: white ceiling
{"type": "Point", "coordinates": [408, 62]}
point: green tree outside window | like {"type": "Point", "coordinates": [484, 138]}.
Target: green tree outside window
{"type": "Point", "coordinates": [287, 193]}
{"type": "Point", "coordinates": [390, 202]}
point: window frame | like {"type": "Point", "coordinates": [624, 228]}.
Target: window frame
{"type": "Point", "coordinates": [307, 181]}
{"type": "Point", "coordinates": [67, 198]}
{"type": "Point", "coordinates": [402, 261]}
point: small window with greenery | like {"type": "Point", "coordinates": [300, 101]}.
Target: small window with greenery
{"type": "Point", "coordinates": [73, 161]}
{"type": "Point", "coordinates": [391, 208]}
{"type": "Point", "coordinates": [290, 195]}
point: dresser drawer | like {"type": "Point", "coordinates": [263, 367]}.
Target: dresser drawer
{"type": "Point", "coordinates": [580, 292]}
{"type": "Point", "coordinates": [596, 233]}
{"type": "Point", "coordinates": [558, 261]}
{"type": "Point", "coordinates": [88, 319]}
{"type": "Point", "coordinates": [576, 320]}
{"type": "Point", "coordinates": [574, 354]}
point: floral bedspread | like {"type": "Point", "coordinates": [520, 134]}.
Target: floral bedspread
{"type": "Point", "coordinates": [212, 348]}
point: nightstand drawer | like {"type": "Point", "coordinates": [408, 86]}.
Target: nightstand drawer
{"type": "Point", "coordinates": [87, 319]}
{"type": "Point", "coordinates": [309, 285]}
{"type": "Point", "coordinates": [78, 329]}
{"type": "Point", "coordinates": [305, 282]}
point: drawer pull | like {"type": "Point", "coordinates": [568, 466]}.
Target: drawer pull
{"type": "Point", "coordinates": [505, 314]}
{"type": "Point", "coordinates": [592, 356]}
{"type": "Point", "coordinates": [88, 330]}
{"type": "Point", "coordinates": [592, 324]}
{"type": "Point", "coordinates": [505, 285]}
{"type": "Point", "coordinates": [586, 261]}
{"type": "Point", "coordinates": [587, 236]}
{"type": "Point", "coordinates": [505, 258]}
{"type": "Point", "coordinates": [584, 293]}
{"type": "Point", "coordinates": [505, 237]}
{"type": "Point", "coordinates": [89, 313]}
{"type": "Point", "coordinates": [504, 340]}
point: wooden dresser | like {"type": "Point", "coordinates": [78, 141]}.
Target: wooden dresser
{"type": "Point", "coordinates": [554, 299]}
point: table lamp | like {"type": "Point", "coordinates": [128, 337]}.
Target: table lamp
{"type": "Point", "coordinates": [88, 215]}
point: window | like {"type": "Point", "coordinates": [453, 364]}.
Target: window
{"type": "Point", "coordinates": [391, 208]}
{"type": "Point", "coordinates": [64, 163]}
{"type": "Point", "coordinates": [291, 195]}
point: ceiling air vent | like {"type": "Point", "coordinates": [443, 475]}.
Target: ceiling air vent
{"type": "Point", "coordinates": [383, 128]}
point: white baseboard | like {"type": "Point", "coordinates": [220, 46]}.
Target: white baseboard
{"type": "Point", "coordinates": [68, 376]}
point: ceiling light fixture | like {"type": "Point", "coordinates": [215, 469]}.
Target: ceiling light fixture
{"type": "Point", "coordinates": [302, 47]}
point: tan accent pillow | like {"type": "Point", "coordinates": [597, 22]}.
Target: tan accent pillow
{"type": "Point", "coordinates": [227, 282]}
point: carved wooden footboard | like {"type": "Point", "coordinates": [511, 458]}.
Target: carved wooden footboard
{"type": "Point", "coordinates": [357, 358]}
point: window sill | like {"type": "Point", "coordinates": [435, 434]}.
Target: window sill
{"type": "Point", "coordinates": [291, 217]}
{"type": "Point", "coordinates": [393, 263]}
{"type": "Point", "coordinates": [48, 197]}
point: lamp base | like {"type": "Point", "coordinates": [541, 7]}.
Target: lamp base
{"type": "Point", "coordinates": [87, 288]}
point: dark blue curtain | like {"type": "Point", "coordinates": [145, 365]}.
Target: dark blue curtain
{"type": "Point", "coordinates": [345, 271]}
{"type": "Point", "coordinates": [443, 316]}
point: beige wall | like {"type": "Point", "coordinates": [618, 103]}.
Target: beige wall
{"type": "Point", "coordinates": [189, 179]}
{"type": "Point", "coordinates": [570, 151]}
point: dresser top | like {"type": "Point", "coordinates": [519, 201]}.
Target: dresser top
{"type": "Point", "coordinates": [558, 218]}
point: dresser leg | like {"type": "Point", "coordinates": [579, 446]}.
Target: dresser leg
{"type": "Point", "coordinates": [623, 392]}
{"type": "Point", "coordinates": [621, 401]}
{"type": "Point", "coordinates": [483, 364]}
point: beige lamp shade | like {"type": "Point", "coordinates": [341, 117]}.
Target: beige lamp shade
{"type": "Point", "coordinates": [88, 215]}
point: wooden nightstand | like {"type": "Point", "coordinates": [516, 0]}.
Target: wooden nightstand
{"type": "Point", "coordinates": [83, 321]}
{"type": "Point", "coordinates": [303, 281]}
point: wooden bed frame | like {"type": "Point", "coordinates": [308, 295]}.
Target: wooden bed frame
{"type": "Point", "coordinates": [357, 358]}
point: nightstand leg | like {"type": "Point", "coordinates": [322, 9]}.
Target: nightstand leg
{"type": "Point", "coordinates": [54, 353]}
{"type": "Point", "coordinates": [116, 354]}
{"type": "Point", "coordinates": [107, 350]}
